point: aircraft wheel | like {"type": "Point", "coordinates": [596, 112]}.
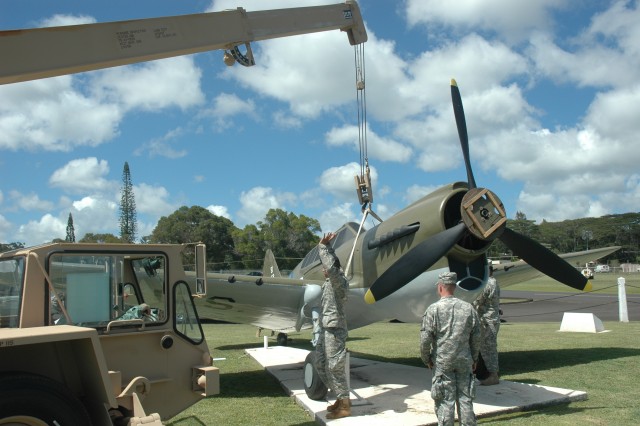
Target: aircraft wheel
{"type": "Point", "coordinates": [313, 385]}
{"type": "Point", "coordinates": [33, 400]}
{"type": "Point", "coordinates": [282, 339]}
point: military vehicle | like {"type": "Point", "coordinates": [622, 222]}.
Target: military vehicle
{"type": "Point", "coordinates": [101, 334]}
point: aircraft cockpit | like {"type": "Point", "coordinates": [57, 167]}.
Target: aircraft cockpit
{"type": "Point", "coordinates": [344, 235]}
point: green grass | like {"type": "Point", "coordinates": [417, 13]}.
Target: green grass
{"type": "Point", "coordinates": [605, 365]}
{"type": "Point", "coordinates": [604, 283]}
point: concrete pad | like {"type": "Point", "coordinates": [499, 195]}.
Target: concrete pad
{"type": "Point", "coordinates": [399, 394]}
{"type": "Point", "coordinates": [581, 322]}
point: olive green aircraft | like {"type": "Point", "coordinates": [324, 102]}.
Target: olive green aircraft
{"type": "Point", "coordinates": [393, 267]}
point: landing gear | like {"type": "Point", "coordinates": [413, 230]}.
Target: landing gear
{"type": "Point", "coordinates": [313, 385]}
{"type": "Point", "coordinates": [282, 339]}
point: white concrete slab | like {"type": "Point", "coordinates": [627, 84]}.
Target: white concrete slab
{"type": "Point", "coordinates": [398, 394]}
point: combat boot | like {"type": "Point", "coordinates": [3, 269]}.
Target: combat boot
{"type": "Point", "coordinates": [491, 380]}
{"type": "Point", "coordinates": [342, 410]}
{"type": "Point", "coordinates": [333, 407]}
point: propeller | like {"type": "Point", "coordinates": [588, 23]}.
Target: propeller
{"type": "Point", "coordinates": [484, 217]}
{"type": "Point", "coordinates": [414, 262]}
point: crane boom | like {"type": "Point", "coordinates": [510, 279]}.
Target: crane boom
{"type": "Point", "coordinates": [30, 54]}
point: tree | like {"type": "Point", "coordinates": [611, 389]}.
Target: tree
{"type": "Point", "coordinates": [249, 247]}
{"type": "Point", "coordinates": [10, 246]}
{"type": "Point", "coordinates": [128, 223]}
{"type": "Point", "coordinates": [100, 238]}
{"type": "Point", "coordinates": [290, 237]}
{"type": "Point", "coordinates": [71, 233]}
{"type": "Point", "coordinates": [197, 224]}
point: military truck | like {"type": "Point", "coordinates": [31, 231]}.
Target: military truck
{"type": "Point", "coordinates": [101, 334]}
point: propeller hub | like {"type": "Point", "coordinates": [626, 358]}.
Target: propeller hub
{"type": "Point", "coordinates": [483, 214]}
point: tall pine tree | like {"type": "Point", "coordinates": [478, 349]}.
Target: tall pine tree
{"type": "Point", "coordinates": [128, 225]}
{"type": "Point", "coordinates": [71, 232]}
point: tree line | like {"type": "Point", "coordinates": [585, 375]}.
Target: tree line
{"type": "Point", "coordinates": [290, 237]}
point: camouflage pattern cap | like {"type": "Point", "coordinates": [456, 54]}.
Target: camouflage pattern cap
{"type": "Point", "coordinates": [448, 278]}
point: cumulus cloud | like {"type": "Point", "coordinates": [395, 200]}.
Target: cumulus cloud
{"type": "Point", "coordinates": [29, 201]}
{"type": "Point", "coordinates": [510, 19]}
{"type": "Point", "coordinates": [221, 211]}
{"type": "Point", "coordinates": [83, 174]}
{"type": "Point", "coordinates": [256, 202]}
{"type": "Point", "coordinates": [52, 115]}
{"type": "Point", "coordinates": [379, 148]}
{"type": "Point", "coordinates": [340, 181]}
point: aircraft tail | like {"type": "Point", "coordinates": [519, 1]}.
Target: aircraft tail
{"type": "Point", "coordinates": [270, 267]}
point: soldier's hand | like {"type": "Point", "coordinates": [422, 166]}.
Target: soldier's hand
{"type": "Point", "coordinates": [430, 364]}
{"type": "Point", "coordinates": [326, 238]}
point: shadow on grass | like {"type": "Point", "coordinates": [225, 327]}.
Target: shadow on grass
{"type": "Point", "coordinates": [518, 362]}
{"type": "Point", "coordinates": [293, 343]}
{"type": "Point", "coordinates": [563, 409]}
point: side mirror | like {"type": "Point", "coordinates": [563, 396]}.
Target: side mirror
{"type": "Point", "coordinates": [201, 269]}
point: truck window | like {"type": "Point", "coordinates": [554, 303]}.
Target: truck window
{"type": "Point", "coordinates": [97, 289]}
{"type": "Point", "coordinates": [11, 280]}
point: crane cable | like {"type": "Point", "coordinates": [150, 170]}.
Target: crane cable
{"type": "Point", "coordinates": [363, 182]}
{"type": "Point", "coordinates": [361, 98]}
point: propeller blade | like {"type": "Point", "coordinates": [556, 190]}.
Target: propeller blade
{"type": "Point", "coordinates": [544, 260]}
{"type": "Point", "coordinates": [413, 263]}
{"type": "Point", "coordinates": [461, 123]}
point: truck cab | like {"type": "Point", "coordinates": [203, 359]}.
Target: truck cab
{"type": "Point", "coordinates": [108, 332]}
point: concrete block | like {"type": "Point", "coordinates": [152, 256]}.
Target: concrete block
{"type": "Point", "coordinates": [581, 322]}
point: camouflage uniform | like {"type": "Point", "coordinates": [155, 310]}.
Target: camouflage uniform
{"type": "Point", "coordinates": [450, 341]}
{"type": "Point", "coordinates": [488, 307]}
{"type": "Point", "coordinates": [331, 352]}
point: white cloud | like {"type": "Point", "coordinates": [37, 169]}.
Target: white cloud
{"type": "Point", "coordinates": [509, 18]}
{"type": "Point", "coordinates": [151, 86]}
{"type": "Point", "coordinates": [379, 148]}
{"type": "Point", "coordinates": [221, 211]}
{"type": "Point", "coordinates": [59, 20]}
{"type": "Point", "coordinates": [334, 217]}
{"type": "Point", "coordinates": [29, 201]}
{"type": "Point", "coordinates": [153, 200]}
{"type": "Point", "coordinates": [51, 115]}
{"type": "Point", "coordinates": [42, 231]}
{"type": "Point", "coordinates": [256, 202]}
{"type": "Point", "coordinates": [162, 147]}
{"type": "Point", "coordinates": [83, 174]}
{"type": "Point", "coordinates": [340, 181]}
{"type": "Point", "coordinates": [225, 107]}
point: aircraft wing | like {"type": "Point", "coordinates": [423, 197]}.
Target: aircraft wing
{"type": "Point", "coordinates": [515, 272]}
{"type": "Point", "coordinates": [274, 303]}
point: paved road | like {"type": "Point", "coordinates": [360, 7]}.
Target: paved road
{"type": "Point", "coordinates": [550, 307]}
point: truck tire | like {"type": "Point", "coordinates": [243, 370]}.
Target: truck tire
{"type": "Point", "coordinates": [314, 387]}
{"type": "Point", "coordinates": [30, 399]}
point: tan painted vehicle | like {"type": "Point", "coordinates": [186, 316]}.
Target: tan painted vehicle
{"type": "Point", "coordinates": [101, 334]}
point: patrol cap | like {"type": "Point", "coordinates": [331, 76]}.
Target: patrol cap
{"type": "Point", "coordinates": [448, 278]}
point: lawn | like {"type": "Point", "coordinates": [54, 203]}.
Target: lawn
{"type": "Point", "coordinates": [605, 283]}
{"type": "Point", "coordinates": [605, 365]}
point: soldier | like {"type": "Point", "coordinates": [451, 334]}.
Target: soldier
{"type": "Point", "coordinates": [450, 342]}
{"type": "Point", "coordinates": [331, 352]}
{"type": "Point", "coordinates": [488, 307]}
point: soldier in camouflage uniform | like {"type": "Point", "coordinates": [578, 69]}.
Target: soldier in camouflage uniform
{"type": "Point", "coordinates": [488, 307]}
{"type": "Point", "coordinates": [331, 352]}
{"type": "Point", "coordinates": [450, 342]}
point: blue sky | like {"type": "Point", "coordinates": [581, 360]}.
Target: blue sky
{"type": "Point", "coordinates": [550, 91]}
